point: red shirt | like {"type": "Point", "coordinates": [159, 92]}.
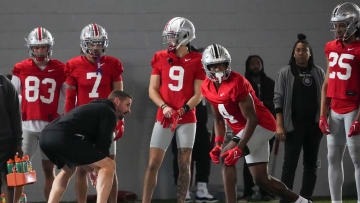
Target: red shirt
{"type": "Point", "coordinates": [226, 101]}
{"type": "Point", "coordinates": [344, 75]}
{"type": "Point", "coordinates": [177, 80]}
{"type": "Point", "coordinates": [81, 73]}
{"type": "Point", "coordinates": [40, 89]}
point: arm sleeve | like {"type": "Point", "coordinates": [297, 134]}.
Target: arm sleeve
{"type": "Point", "coordinates": [279, 92]}
{"type": "Point", "coordinates": [62, 97]}
{"type": "Point", "coordinates": [118, 70]}
{"type": "Point", "coordinates": [69, 78]}
{"type": "Point", "coordinates": [14, 111]}
{"type": "Point", "coordinates": [70, 99]}
{"type": "Point", "coordinates": [70, 93]}
{"type": "Point", "coordinates": [15, 80]}
{"type": "Point", "coordinates": [200, 73]}
{"type": "Point", "coordinates": [105, 135]}
{"type": "Point", "coordinates": [154, 64]}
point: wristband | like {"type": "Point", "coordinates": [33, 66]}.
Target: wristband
{"type": "Point", "coordinates": [163, 106]}
{"type": "Point", "coordinates": [219, 139]}
{"type": "Point", "coordinates": [236, 139]}
{"type": "Point", "coordinates": [186, 108]}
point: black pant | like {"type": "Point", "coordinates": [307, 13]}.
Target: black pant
{"type": "Point", "coordinates": [306, 137]}
{"type": "Point", "coordinates": [200, 156]}
{"type": "Point", "coordinates": [248, 180]}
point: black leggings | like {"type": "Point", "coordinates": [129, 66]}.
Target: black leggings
{"type": "Point", "coordinates": [306, 137]}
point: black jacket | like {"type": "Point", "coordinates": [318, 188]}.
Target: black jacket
{"type": "Point", "coordinates": [10, 117]}
{"type": "Point", "coordinates": [266, 93]}
{"type": "Point", "coordinates": [95, 121]}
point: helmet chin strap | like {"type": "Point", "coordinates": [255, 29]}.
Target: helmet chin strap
{"type": "Point", "coordinates": [219, 76]}
{"type": "Point", "coordinates": [98, 70]}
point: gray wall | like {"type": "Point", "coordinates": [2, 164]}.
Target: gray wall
{"type": "Point", "coordinates": [263, 27]}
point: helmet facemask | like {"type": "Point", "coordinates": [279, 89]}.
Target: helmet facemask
{"type": "Point", "coordinates": [40, 57]}
{"type": "Point", "coordinates": [94, 48]}
{"type": "Point", "coordinates": [218, 76]}
{"type": "Point", "coordinates": [171, 40]}
{"type": "Point", "coordinates": [213, 56]}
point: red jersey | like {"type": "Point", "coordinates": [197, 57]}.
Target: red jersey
{"type": "Point", "coordinates": [344, 75]}
{"type": "Point", "coordinates": [90, 85]}
{"type": "Point", "coordinates": [40, 89]}
{"type": "Point", "coordinates": [177, 80]}
{"type": "Point", "coordinates": [226, 101]}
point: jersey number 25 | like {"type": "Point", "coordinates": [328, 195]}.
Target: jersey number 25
{"type": "Point", "coordinates": [334, 59]}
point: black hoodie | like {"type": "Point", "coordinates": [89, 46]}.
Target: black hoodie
{"type": "Point", "coordinates": [266, 91]}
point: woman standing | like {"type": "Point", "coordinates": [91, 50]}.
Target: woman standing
{"type": "Point", "coordinates": [297, 106]}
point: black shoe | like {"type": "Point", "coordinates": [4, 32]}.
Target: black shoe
{"type": "Point", "coordinates": [267, 198]}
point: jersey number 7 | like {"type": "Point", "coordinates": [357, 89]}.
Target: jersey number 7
{"type": "Point", "coordinates": [94, 93]}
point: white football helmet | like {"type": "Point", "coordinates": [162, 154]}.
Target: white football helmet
{"type": "Point", "coordinates": [91, 36]}
{"type": "Point", "coordinates": [216, 54]}
{"type": "Point", "coordinates": [178, 31]}
{"type": "Point", "coordinates": [349, 14]}
{"type": "Point", "coordinates": [40, 36]}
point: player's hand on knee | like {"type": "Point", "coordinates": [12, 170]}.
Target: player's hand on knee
{"type": "Point", "coordinates": [354, 129]}
{"type": "Point", "coordinates": [323, 125]}
{"type": "Point", "coordinates": [216, 151]}
{"type": "Point", "coordinates": [215, 154]}
{"type": "Point", "coordinates": [232, 156]}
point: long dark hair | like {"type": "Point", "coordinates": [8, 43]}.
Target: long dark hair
{"type": "Point", "coordinates": [302, 39]}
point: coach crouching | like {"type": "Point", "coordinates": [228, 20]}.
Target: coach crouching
{"type": "Point", "coordinates": [82, 137]}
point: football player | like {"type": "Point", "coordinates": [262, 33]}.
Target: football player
{"type": "Point", "coordinates": [39, 80]}
{"type": "Point", "coordinates": [234, 100]}
{"type": "Point", "coordinates": [340, 96]}
{"type": "Point", "coordinates": [90, 76]}
{"type": "Point", "coordinates": [174, 87]}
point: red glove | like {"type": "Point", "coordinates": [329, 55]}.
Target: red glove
{"type": "Point", "coordinates": [175, 119]}
{"type": "Point", "coordinates": [119, 129]}
{"type": "Point", "coordinates": [232, 156]}
{"type": "Point", "coordinates": [165, 122]}
{"type": "Point", "coordinates": [323, 125]}
{"type": "Point", "coordinates": [354, 129]}
{"type": "Point", "coordinates": [215, 154]}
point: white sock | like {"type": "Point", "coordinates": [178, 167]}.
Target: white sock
{"type": "Point", "coordinates": [201, 185]}
{"type": "Point", "coordinates": [301, 200]}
